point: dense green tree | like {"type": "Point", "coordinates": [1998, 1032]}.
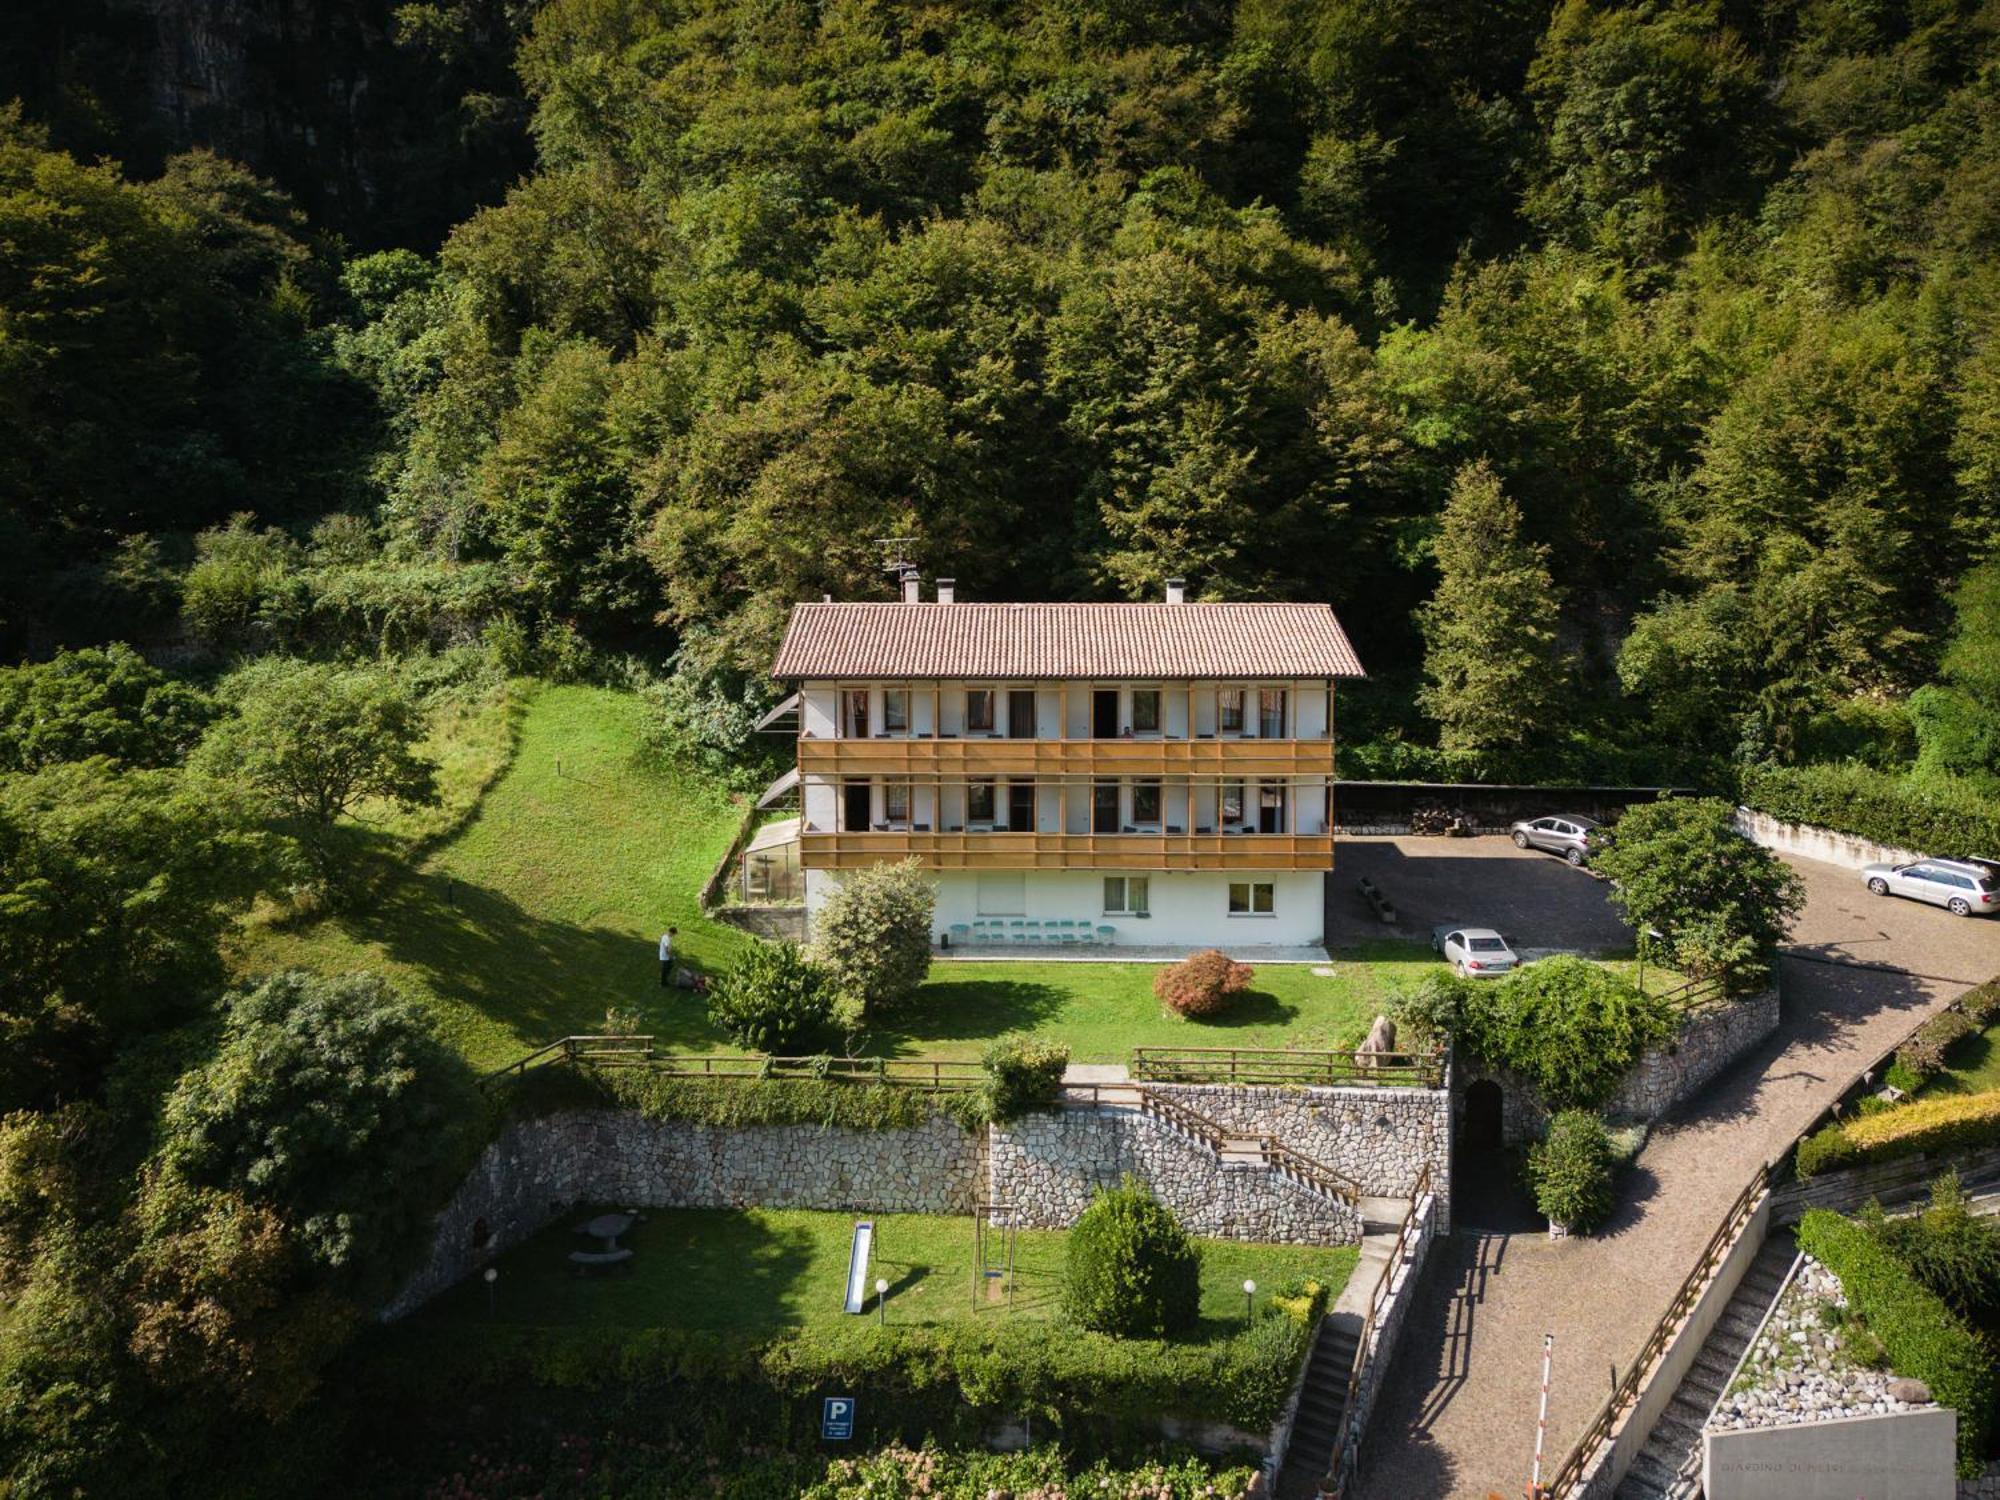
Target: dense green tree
{"type": "Point", "coordinates": [1130, 1269]}
{"type": "Point", "coordinates": [874, 934]}
{"type": "Point", "coordinates": [1489, 629]}
{"type": "Point", "coordinates": [105, 702]}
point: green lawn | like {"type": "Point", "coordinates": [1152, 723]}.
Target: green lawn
{"type": "Point", "coordinates": [1972, 1066]}
{"type": "Point", "coordinates": [543, 909]}
{"type": "Point", "coordinates": [765, 1270]}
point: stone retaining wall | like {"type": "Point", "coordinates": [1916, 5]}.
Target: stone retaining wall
{"type": "Point", "coordinates": [1905, 1180]}
{"type": "Point", "coordinates": [538, 1169]}
{"type": "Point", "coordinates": [1712, 1039]}
{"type": "Point", "coordinates": [780, 924]}
{"type": "Point", "coordinates": [1985, 1487]}
{"type": "Point", "coordinates": [1809, 841]}
{"type": "Point", "coordinates": [1380, 1138]}
{"type": "Point", "coordinates": [1049, 1166]}
{"type": "Point", "coordinates": [1405, 1275]}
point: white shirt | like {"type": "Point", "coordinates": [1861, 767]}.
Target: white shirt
{"type": "Point", "coordinates": [666, 946]}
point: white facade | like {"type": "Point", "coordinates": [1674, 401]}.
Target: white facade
{"type": "Point", "coordinates": [1185, 909]}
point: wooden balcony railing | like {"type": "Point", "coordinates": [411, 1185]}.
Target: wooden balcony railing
{"type": "Point", "coordinates": [954, 759]}
{"type": "Point", "coordinates": [820, 850]}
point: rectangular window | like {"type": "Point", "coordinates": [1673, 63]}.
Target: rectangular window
{"type": "Point", "coordinates": [1145, 802]}
{"type": "Point", "coordinates": [1126, 895]}
{"type": "Point", "coordinates": [1271, 807]}
{"type": "Point", "coordinates": [896, 711]}
{"type": "Point", "coordinates": [896, 803]}
{"type": "Point", "coordinates": [1229, 710]}
{"type": "Point", "coordinates": [1232, 802]}
{"type": "Point", "coordinates": [1104, 807]}
{"type": "Point", "coordinates": [979, 710]}
{"type": "Point", "coordinates": [1145, 710]}
{"type": "Point", "coordinates": [855, 798]}
{"type": "Point", "coordinates": [1021, 714]}
{"type": "Point", "coordinates": [1252, 898]}
{"type": "Point", "coordinates": [1271, 713]}
{"type": "Point", "coordinates": [979, 802]}
{"type": "Point", "coordinates": [1021, 806]}
{"type": "Point", "coordinates": [854, 713]}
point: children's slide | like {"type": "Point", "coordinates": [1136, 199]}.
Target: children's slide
{"type": "Point", "coordinates": [858, 1256]}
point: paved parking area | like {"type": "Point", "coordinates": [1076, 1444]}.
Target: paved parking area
{"type": "Point", "coordinates": [1457, 1416]}
{"type": "Point", "coordinates": [1539, 902]}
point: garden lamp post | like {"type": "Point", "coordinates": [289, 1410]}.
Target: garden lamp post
{"type": "Point", "coordinates": [491, 1275]}
{"type": "Point", "coordinates": [1249, 1299]}
{"type": "Point", "coordinates": [881, 1301]}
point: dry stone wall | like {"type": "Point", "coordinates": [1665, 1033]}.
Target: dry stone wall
{"type": "Point", "coordinates": [1048, 1167]}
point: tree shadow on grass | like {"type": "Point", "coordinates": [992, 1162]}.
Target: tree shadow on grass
{"type": "Point", "coordinates": [966, 1009]}
{"type": "Point", "coordinates": [1251, 1008]}
{"type": "Point", "coordinates": [541, 978]}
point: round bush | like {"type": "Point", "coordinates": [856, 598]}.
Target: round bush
{"type": "Point", "coordinates": [1201, 984]}
{"type": "Point", "coordinates": [1023, 1073]}
{"type": "Point", "coordinates": [1570, 1170]}
{"type": "Point", "coordinates": [1132, 1271]}
{"type": "Point", "coordinates": [773, 999]}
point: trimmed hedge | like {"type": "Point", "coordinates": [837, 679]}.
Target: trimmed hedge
{"type": "Point", "coordinates": [1938, 816]}
{"type": "Point", "coordinates": [1022, 1073]}
{"type": "Point", "coordinates": [1923, 1337]}
{"type": "Point", "coordinates": [739, 1101]}
{"type": "Point", "coordinates": [1922, 1056]}
{"type": "Point", "coordinates": [1951, 1122]}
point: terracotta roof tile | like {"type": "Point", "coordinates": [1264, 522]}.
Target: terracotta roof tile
{"type": "Point", "coordinates": [1064, 640]}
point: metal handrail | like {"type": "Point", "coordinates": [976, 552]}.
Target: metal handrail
{"type": "Point", "coordinates": [1626, 1393]}
{"type": "Point", "coordinates": [1346, 1442]}
{"type": "Point", "coordinates": [1173, 1112]}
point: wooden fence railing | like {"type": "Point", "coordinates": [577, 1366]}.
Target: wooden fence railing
{"type": "Point", "coordinates": [937, 1074]}
{"type": "Point", "coordinates": [1273, 1153]}
{"type": "Point", "coordinates": [1283, 1160]}
{"type": "Point", "coordinates": [1172, 1112]}
{"type": "Point", "coordinates": [1277, 1065]}
{"type": "Point", "coordinates": [1625, 1395]}
{"type": "Point", "coordinates": [1347, 1437]}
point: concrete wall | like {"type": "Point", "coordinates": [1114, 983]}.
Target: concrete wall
{"type": "Point", "coordinates": [1405, 1274]}
{"type": "Point", "coordinates": [1905, 1180]}
{"type": "Point", "coordinates": [1906, 1456]}
{"type": "Point", "coordinates": [1823, 844]}
{"type": "Point", "coordinates": [1384, 806]}
{"type": "Point", "coordinates": [1049, 1167]}
{"type": "Point", "coordinates": [538, 1169]}
{"type": "Point", "coordinates": [1615, 1459]}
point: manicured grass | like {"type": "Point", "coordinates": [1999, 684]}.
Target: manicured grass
{"type": "Point", "coordinates": [764, 1270]}
{"type": "Point", "coordinates": [544, 910]}
{"type": "Point", "coordinates": [1972, 1066]}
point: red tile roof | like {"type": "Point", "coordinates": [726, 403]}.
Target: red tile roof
{"type": "Point", "coordinates": [1064, 640]}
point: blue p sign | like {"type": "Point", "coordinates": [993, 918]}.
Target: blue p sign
{"type": "Point", "coordinates": [836, 1419]}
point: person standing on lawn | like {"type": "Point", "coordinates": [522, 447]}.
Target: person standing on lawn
{"type": "Point", "coordinates": [667, 957]}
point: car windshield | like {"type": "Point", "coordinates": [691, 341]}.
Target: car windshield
{"type": "Point", "coordinates": [1486, 945]}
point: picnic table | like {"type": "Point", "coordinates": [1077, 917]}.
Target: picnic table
{"type": "Point", "coordinates": [607, 1227]}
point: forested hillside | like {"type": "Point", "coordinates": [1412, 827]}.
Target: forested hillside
{"type": "Point", "coordinates": [1083, 296]}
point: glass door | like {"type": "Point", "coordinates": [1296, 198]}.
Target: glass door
{"type": "Point", "coordinates": [1021, 714]}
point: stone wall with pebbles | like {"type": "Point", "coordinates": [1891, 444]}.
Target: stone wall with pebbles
{"type": "Point", "coordinates": [1049, 1166]}
{"type": "Point", "coordinates": [1801, 1370]}
{"type": "Point", "coordinates": [1380, 1138]}
{"type": "Point", "coordinates": [538, 1169]}
{"type": "Point", "coordinates": [1985, 1487]}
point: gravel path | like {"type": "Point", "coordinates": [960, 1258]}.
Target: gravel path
{"type": "Point", "coordinates": [1458, 1415]}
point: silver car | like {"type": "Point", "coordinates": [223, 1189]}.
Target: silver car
{"type": "Point", "coordinates": [1570, 835]}
{"type": "Point", "coordinates": [1475, 952]}
{"type": "Point", "coordinates": [1963, 887]}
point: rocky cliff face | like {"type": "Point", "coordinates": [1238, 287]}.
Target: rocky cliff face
{"type": "Point", "coordinates": [384, 142]}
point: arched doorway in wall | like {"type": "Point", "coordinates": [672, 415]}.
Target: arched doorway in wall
{"type": "Point", "coordinates": [1480, 1128]}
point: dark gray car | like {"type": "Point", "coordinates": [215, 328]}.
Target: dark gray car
{"type": "Point", "coordinates": [1570, 835]}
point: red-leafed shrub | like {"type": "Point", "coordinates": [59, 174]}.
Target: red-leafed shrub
{"type": "Point", "coordinates": [1200, 984]}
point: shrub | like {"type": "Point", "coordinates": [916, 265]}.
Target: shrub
{"type": "Point", "coordinates": [1021, 1073]}
{"type": "Point", "coordinates": [1923, 1337]}
{"type": "Point", "coordinates": [1570, 1171]}
{"type": "Point", "coordinates": [1940, 815]}
{"type": "Point", "coordinates": [104, 701]}
{"type": "Point", "coordinates": [1568, 1026]}
{"type": "Point", "coordinates": [1922, 1056]}
{"type": "Point", "coordinates": [1982, 1004]}
{"type": "Point", "coordinates": [1681, 867]}
{"type": "Point", "coordinates": [1131, 1270]}
{"type": "Point", "coordinates": [1953, 1251]}
{"type": "Point", "coordinates": [1201, 984]}
{"type": "Point", "coordinates": [773, 999]}
{"type": "Point", "coordinates": [874, 934]}
{"type": "Point", "coordinates": [1431, 1011]}
{"type": "Point", "coordinates": [1950, 1122]}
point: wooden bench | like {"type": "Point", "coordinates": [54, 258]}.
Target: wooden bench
{"type": "Point", "coordinates": [587, 1261]}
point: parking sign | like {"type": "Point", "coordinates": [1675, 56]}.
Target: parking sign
{"type": "Point", "coordinates": [836, 1419]}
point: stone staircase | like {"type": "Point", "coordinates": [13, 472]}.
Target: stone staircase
{"type": "Point", "coordinates": [1323, 1392]}
{"type": "Point", "coordinates": [1670, 1463]}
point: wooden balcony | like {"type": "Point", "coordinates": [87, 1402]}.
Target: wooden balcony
{"type": "Point", "coordinates": [955, 759]}
{"type": "Point", "coordinates": [819, 850]}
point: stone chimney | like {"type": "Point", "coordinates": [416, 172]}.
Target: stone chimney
{"type": "Point", "coordinates": [1176, 591]}
{"type": "Point", "coordinates": [947, 590]}
{"type": "Point", "coordinates": [911, 580]}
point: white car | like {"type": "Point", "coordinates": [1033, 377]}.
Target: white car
{"type": "Point", "coordinates": [1474, 952]}
{"type": "Point", "coordinates": [1963, 887]}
